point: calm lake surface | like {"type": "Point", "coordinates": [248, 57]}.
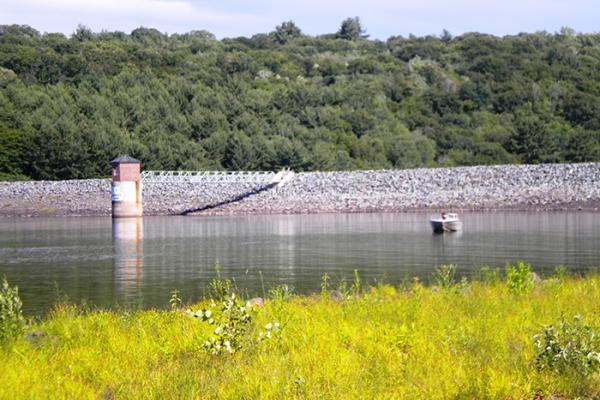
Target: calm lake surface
{"type": "Point", "coordinates": [137, 262]}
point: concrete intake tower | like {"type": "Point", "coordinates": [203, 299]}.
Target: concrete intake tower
{"type": "Point", "coordinates": [126, 188]}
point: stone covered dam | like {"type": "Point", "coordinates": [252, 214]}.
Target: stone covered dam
{"type": "Point", "coordinates": [503, 187]}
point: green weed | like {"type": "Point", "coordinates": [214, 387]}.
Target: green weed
{"type": "Point", "coordinates": [490, 276]}
{"type": "Point", "coordinates": [175, 301]}
{"type": "Point", "coordinates": [12, 322]}
{"type": "Point", "coordinates": [560, 273]}
{"type": "Point", "coordinates": [325, 286]}
{"type": "Point", "coordinates": [444, 276]}
{"type": "Point", "coordinates": [281, 293]}
{"type": "Point", "coordinates": [519, 278]}
{"type": "Point", "coordinates": [219, 288]}
{"type": "Point", "coordinates": [569, 346]}
{"type": "Point", "coordinates": [356, 285]}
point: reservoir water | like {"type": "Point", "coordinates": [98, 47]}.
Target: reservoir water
{"type": "Point", "coordinates": [138, 262]}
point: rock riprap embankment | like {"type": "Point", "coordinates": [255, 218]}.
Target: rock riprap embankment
{"type": "Point", "coordinates": [547, 186]}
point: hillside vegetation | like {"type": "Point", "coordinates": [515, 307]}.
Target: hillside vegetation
{"type": "Point", "coordinates": [341, 101]}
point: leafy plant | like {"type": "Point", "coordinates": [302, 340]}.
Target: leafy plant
{"type": "Point", "coordinates": [175, 301]}
{"type": "Point", "coordinates": [281, 293]}
{"type": "Point", "coordinates": [233, 326]}
{"type": "Point", "coordinates": [560, 273]}
{"type": "Point", "coordinates": [12, 322]}
{"type": "Point", "coordinates": [356, 285]}
{"type": "Point", "coordinates": [569, 347]}
{"type": "Point", "coordinates": [353, 289]}
{"type": "Point", "coordinates": [490, 276]}
{"type": "Point", "coordinates": [218, 287]}
{"type": "Point", "coordinates": [325, 285]}
{"type": "Point", "coordinates": [519, 278]}
{"type": "Point", "coordinates": [272, 330]}
{"type": "Point", "coordinates": [299, 385]}
{"type": "Point", "coordinates": [444, 276]}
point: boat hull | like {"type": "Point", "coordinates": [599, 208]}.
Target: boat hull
{"type": "Point", "coordinates": [439, 226]}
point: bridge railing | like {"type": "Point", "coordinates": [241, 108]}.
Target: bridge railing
{"type": "Point", "coordinates": [208, 176]}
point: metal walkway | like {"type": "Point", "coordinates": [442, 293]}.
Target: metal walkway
{"type": "Point", "coordinates": [210, 176]}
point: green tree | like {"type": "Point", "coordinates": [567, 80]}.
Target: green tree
{"type": "Point", "coordinates": [286, 31]}
{"type": "Point", "coordinates": [536, 141]}
{"type": "Point", "coordinates": [288, 153]}
{"type": "Point", "coordinates": [584, 145]}
{"type": "Point", "coordinates": [82, 33]}
{"type": "Point", "coordinates": [11, 148]}
{"type": "Point", "coordinates": [339, 101]}
{"type": "Point", "coordinates": [351, 29]}
{"type": "Point", "coordinates": [240, 154]}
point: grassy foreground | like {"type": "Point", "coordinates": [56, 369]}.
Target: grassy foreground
{"type": "Point", "coordinates": [470, 341]}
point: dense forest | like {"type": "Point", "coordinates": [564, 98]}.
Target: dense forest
{"type": "Point", "coordinates": [339, 101]}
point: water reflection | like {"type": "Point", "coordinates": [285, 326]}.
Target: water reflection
{"type": "Point", "coordinates": [139, 261]}
{"type": "Point", "coordinates": [128, 235]}
{"type": "Point", "coordinates": [445, 246]}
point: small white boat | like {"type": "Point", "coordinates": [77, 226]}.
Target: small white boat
{"type": "Point", "coordinates": [445, 222]}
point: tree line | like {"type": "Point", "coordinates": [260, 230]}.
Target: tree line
{"type": "Point", "coordinates": [338, 101]}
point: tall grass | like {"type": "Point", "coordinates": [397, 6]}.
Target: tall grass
{"type": "Point", "coordinates": [473, 341]}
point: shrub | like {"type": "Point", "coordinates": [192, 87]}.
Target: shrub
{"type": "Point", "coordinates": [570, 347]}
{"type": "Point", "coordinates": [519, 278]}
{"type": "Point", "coordinates": [233, 326]}
{"type": "Point", "coordinates": [219, 288]}
{"type": "Point", "coordinates": [560, 273]}
{"type": "Point", "coordinates": [490, 276]}
{"type": "Point", "coordinates": [281, 293]}
{"type": "Point", "coordinates": [444, 276]}
{"type": "Point", "coordinates": [12, 322]}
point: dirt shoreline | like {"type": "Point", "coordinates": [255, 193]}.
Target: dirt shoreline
{"type": "Point", "coordinates": [44, 213]}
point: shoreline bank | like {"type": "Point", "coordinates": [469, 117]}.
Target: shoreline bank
{"type": "Point", "coordinates": [372, 342]}
{"type": "Point", "coordinates": [546, 187]}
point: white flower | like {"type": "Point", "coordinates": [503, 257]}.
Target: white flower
{"type": "Point", "coordinates": [207, 313]}
{"type": "Point", "coordinates": [260, 334]}
{"type": "Point", "coordinates": [218, 330]}
{"type": "Point", "coordinates": [227, 346]}
{"type": "Point", "coordinates": [198, 314]}
{"type": "Point", "coordinates": [268, 326]}
{"type": "Point", "coordinates": [268, 335]}
{"type": "Point", "coordinates": [211, 321]}
{"type": "Point", "coordinates": [276, 325]}
{"type": "Point", "coordinates": [242, 309]}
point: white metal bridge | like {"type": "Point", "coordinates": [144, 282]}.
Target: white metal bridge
{"type": "Point", "coordinates": [257, 177]}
